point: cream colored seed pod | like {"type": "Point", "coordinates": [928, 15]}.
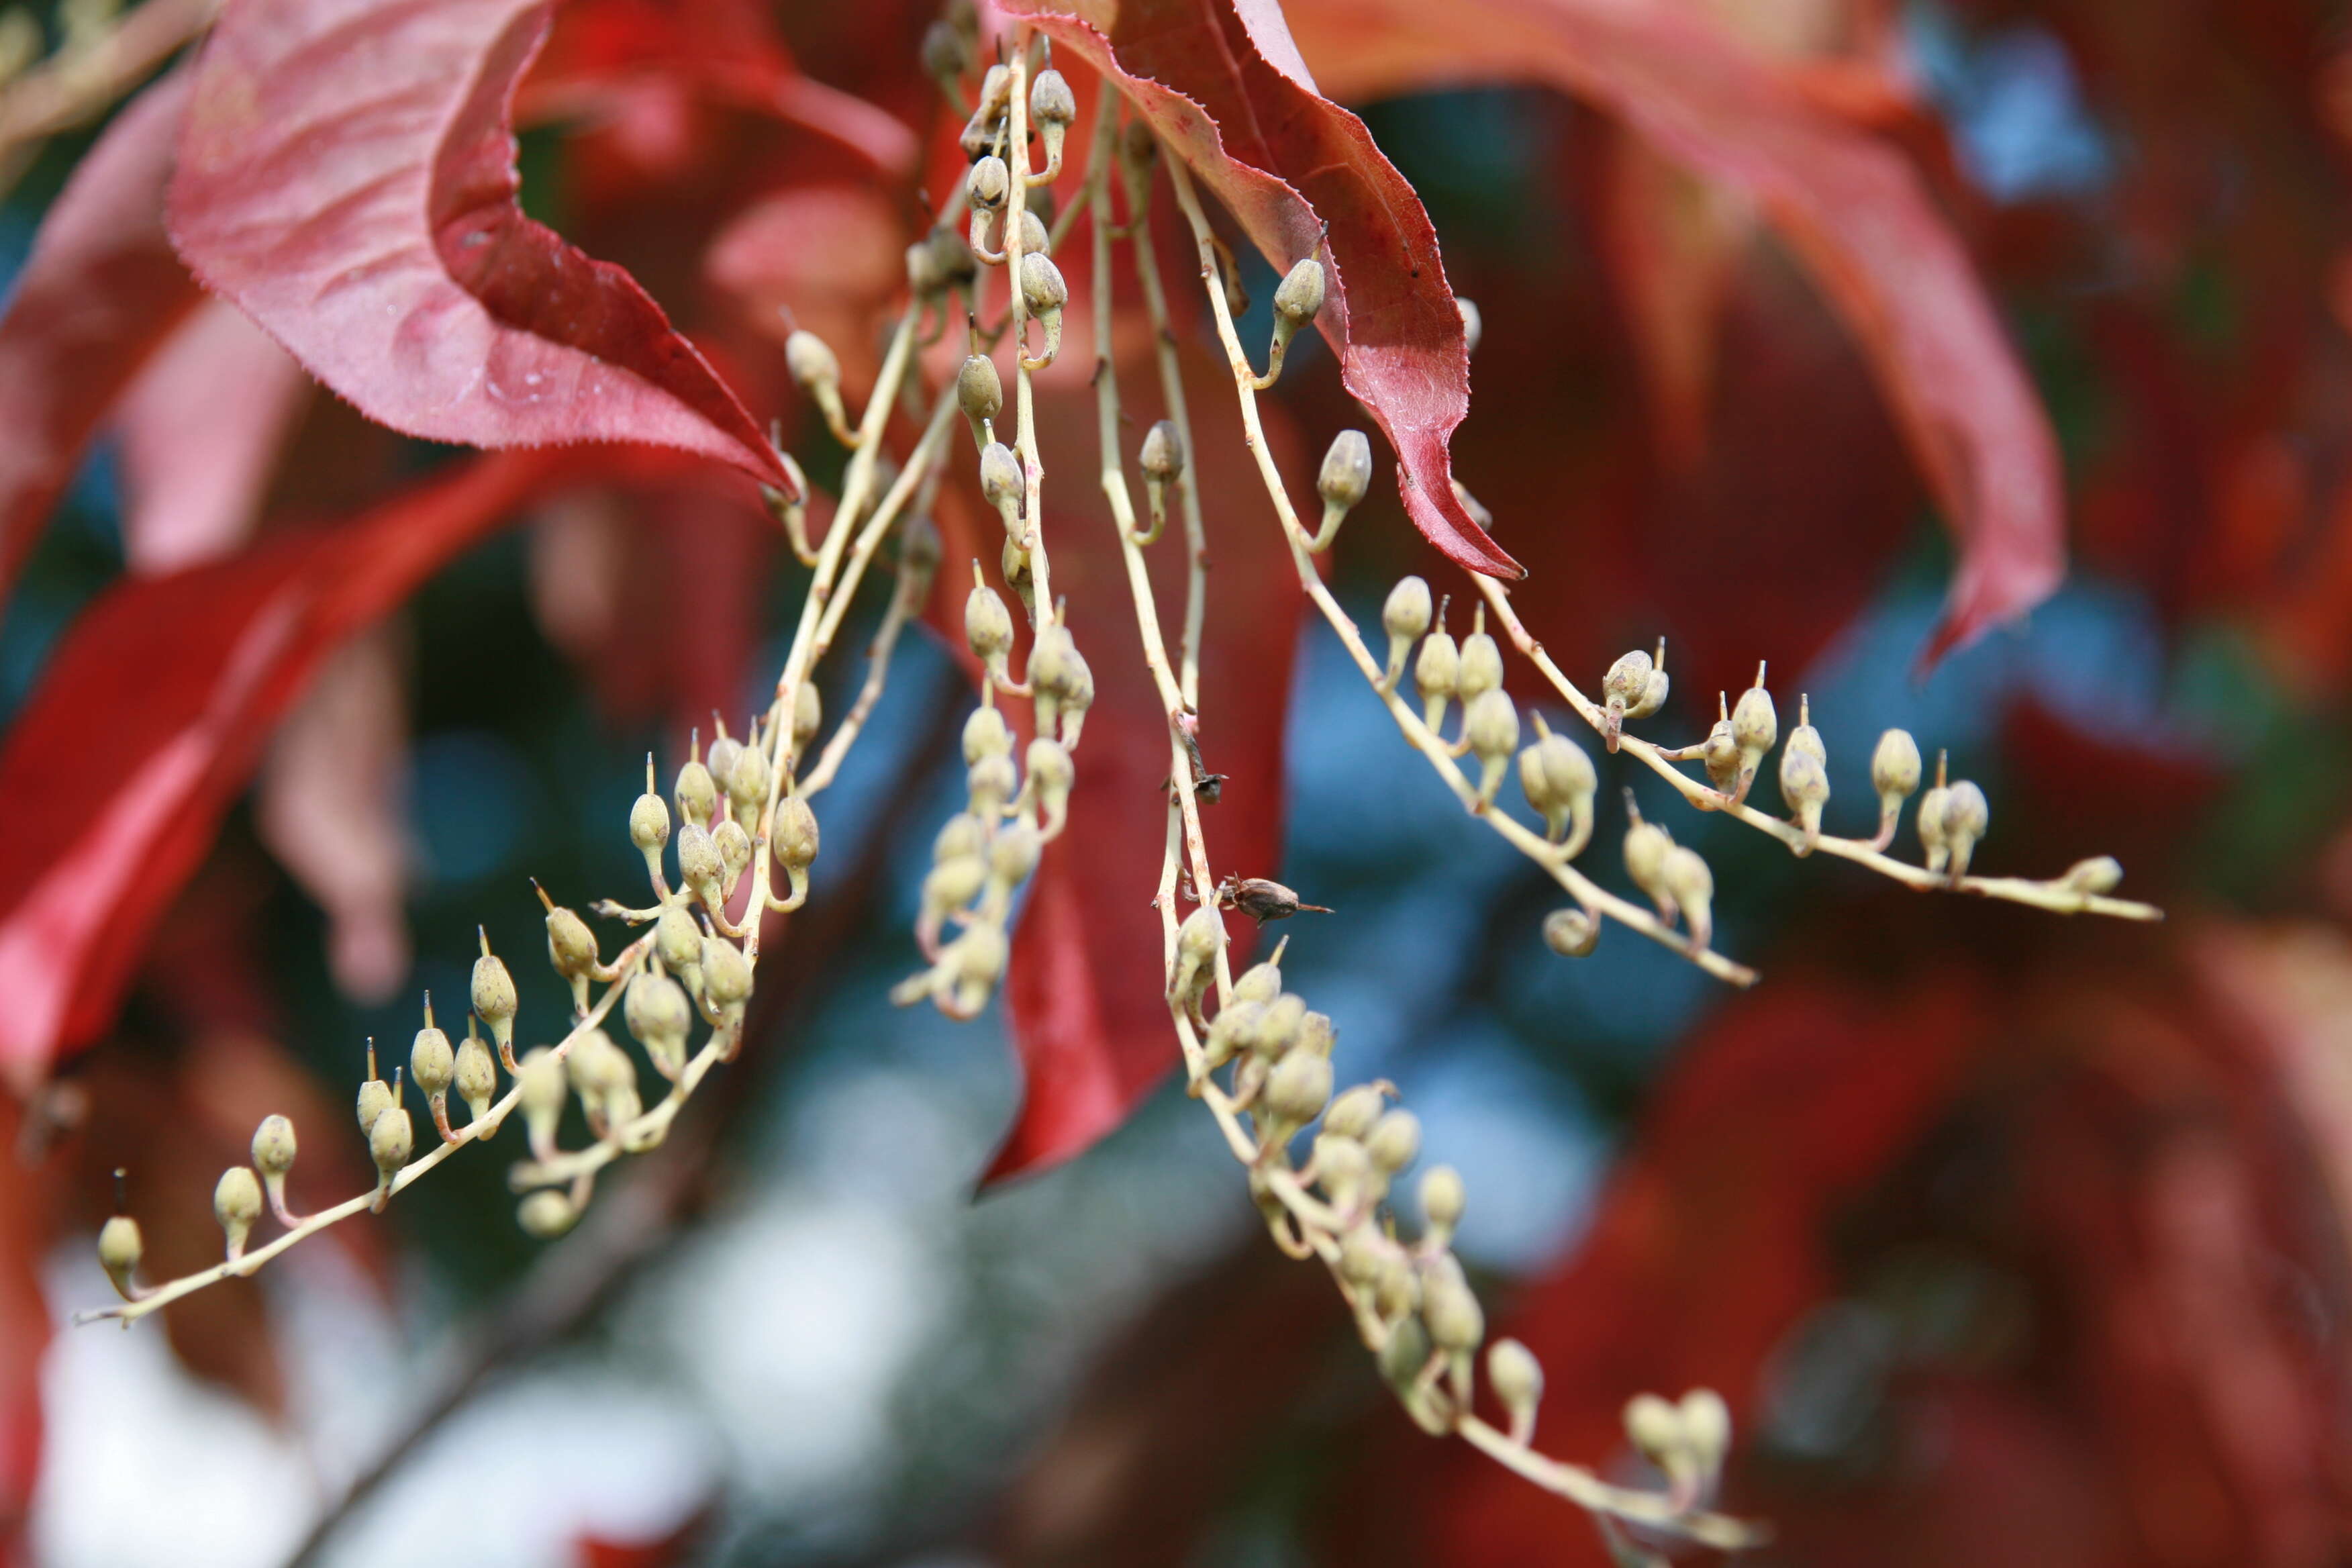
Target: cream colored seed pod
{"type": "Point", "coordinates": [747, 782]}
{"type": "Point", "coordinates": [1434, 672]}
{"type": "Point", "coordinates": [236, 1203]}
{"type": "Point", "coordinates": [1481, 667]}
{"type": "Point", "coordinates": [1559, 783]}
{"type": "Point", "coordinates": [1354, 1113]}
{"type": "Point", "coordinates": [1571, 933]}
{"type": "Point", "coordinates": [546, 1214]}
{"type": "Point", "coordinates": [1406, 617]}
{"type": "Point", "coordinates": [494, 993]}
{"type": "Point", "coordinates": [1491, 725]}
{"type": "Point", "coordinates": [1394, 1141]}
{"type": "Point", "coordinates": [1646, 847]}
{"type": "Point", "coordinates": [1894, 774]}
{"type": "Point", "coordinates": [1517, 1378]}
{"type": "Point", "coordinates": [678, 940]}
{"type": "Point", "coordinates": [986, 734]}
{"type": "Point", "coordinates": [1966, 816]}
{"type": "Point", "coordinates": [697, 795]}
{"type": "Point", "coordinates": [732, 840]}
{"type": "Point", "coordinates": [726, 972]}
{"type": "Point", "coordinates": [1297, 1090]}
{"type": "Point", "coordinates": [544, 1087]}
{"type": "Point", "coordinates": [476, 1076]}
{"type": "Point", "coordinates": [1449, 1307]}
{"type": "Point", "coordinates": [657, 1013]}
{"type": "Point", "coordinates": [808, 714]}
{"type": "Point", "coordinates": [1343, 482]}
{"type": "Point", "coordinates": [1051, 776]}
{"type": "Point", "coordinates": [1690, 888]}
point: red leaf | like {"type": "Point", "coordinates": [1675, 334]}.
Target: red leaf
{"type": "Point", "coordinates": [347, 176]}
{"type": "Point", "coordinates": [100, 291]}
{"type": "Point", "coordinates": [190, 673]}
{"type": "Point", "coordinates": [1852, 210]}
{"type": "Point", "coordinates": [195, 465]}
{"type": "Point", "coordinates": [1223, 86]}
{"type": "Point", "coordinates": [24, 1331]}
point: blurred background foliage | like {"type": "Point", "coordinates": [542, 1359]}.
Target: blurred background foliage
{"type": "Point", "coordinates": [2012, 1240]}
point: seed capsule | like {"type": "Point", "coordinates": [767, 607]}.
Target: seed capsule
{"type": "Point", "coordinates": [120, 1247]}
{"type": "Point", "coordinates": [1297, 299]}
{"type": "Point", "coordinates": [236, 1203]}
{"type": "Point", "coordinates": [698, 863]}
{"type": "Point", "coordinates": [655, 1009]}
{"type": "Point", "coordinates": [986, 734]}
{"type": "Point", "coordinates": [375, 1095]}
{"type": "Point", "coordinates": [1559, 783]}
{"type": "Point", "coordinates": [678, 938]}
{"type": "Point", "coordinates": [1299, 295]}
{"type": "Point", "coordinates": [1298, 1088]}
{"type": "Point", "coordinates": [1894, 774]}
{"type": "Point", "coordinates": [544, 1086]}
{"type": "Point", "coordinates": [1690, 886]}
{"type": "Point", "coordinates": [808, 714]}
{"type": "Point", "coordinates": [733, 842]}
{"type": "Point", "coordinates": [1754, 727]}
{"type": "Point", "coordinates": [1434, 671]}
{"type": "Point", "coordinates": [431, 1063]}
{"type": "Point", "coordinates": [1042, 287]}
{"type": "Point", "coordinates": [1316, 1034]}
{"type": "Point", "coordinates": [1051, 776]}
{"type": "Point", "coordinates": [494, 994]}
{"type": "Point", "coordinates": [1481, 668]}
{"type": "Point", "coordinates": [721, 759]}
{"type": "Point", "coordinates": [1931, 820]}
{"type": "Point", "coordinates": [1265, 900]}
{"type": "Point", "coordinates": [988, 184]}
{"type": "Point", "coordinates": [1707, 1429]}
{"type": "Point", "coordinates": [476, 1076]}
{"type": "Point", "coordinates": [1394, 1141]}
{"type": "Point", "coordinates": [1966, 816]}
{"type": "Point", "coordinates": [747, 782]}
{"type": "Point", "coordinates": [1442, 1197]}
{"type": "Point", "coordinates": [1655, 1427]}
{"type": "Point", "coordinates": [1013, 855]}
{"type": "Point", "coordinates": [390, 1143]}
{"type": "Point", "coordinates": [1345, 478]}
{"type": "Point", "coordinates": [273, 1146]}
{"type": "Point", "coordinates": [1491, 725]}
{"type": "Point", "coordinates": [1647, 845]}
{"type": "Point", "coordinates": [1396, 1293]}
{"type": "Point", "coordinates": [988, 629]}
{"type": "Point", "coordinates": [2101, 874]}
{"type": "Point", "coordinates": [945, 54]}
{"type": "Point", "coordinates": [1449, 1307]}
{"type": "Point", "coordinates": [972, 964]}
{"type": "Point", "coordinates": [726, 974]}
{"type": "Point", "coordinates": [1001, 484]}
{"type": "Point", "coordinates": [649, 822]}
{"type": "Point", "coordinates": [697, 795]}
{"type": "Point", "coordinates": [1405, 617]}
{"type": "Point", "coordinates": [817, 372]}
{"type": "Point", "coordinates": [1163, 452]}
{"type": "Point", "coordinates": [1261, 982]}
{"type": "Point", "coordinates": [1805, 785]}
{"type": "Point", "coordinates": [1232, 1031]}
{"type": "Point", "coordinates": [546, 1214]}
{"type": "Point", "coordinates": [1363, 1250]}
{"type": "Point", "coordinates": [571, 945]}
{"type": "Point", "coordinates": [990, 783]}
{"type": "Point", "coordinates": [1805, 737]}
{"type": "Point", "coordinates": [1354, 1113]}
{"type": "Point", "coordinates": [1517, 1378]}
{"type": "Point", "coordinates": [980, 395]}
{"type": "Point", "coordinates": [1571, 933]}
{"type": "Point", "coordinates": [960, 835]}
{"type": "Point", "coordinates": [795, 835]}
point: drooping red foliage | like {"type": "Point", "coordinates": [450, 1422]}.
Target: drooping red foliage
{"type": "Point", "coordinates": [194, 670]}
{"type": "Point", "coordinates": [1849, 205]}
{"type": "Point", "coordinates": [377, 235]}
{"type": "Point", "coordinates": [1226, 92]}
{"type": "Point", "coordinates": [100, 291]}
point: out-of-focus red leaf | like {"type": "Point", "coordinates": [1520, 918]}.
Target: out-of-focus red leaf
{"type": "Point", "coordinates": [821, 257]}
{"type": "Point", "coordinates": [100, 290]}
{"type": "Point", "coordinates": [1086, 987]}
{"type": "Point", "coordinates": [1713, 1237]}
{"type": "Point", "coordinates": [1222, 84]}
{"type": "Point", "coordinates": [196, 456]}
{"type": "Point", "coordinates": [1849, 206]}
{"type": "Point", "coordinates": [611, 57]}
{"type": "Point", "coordinates": [330, 808]}
{"type": "Point", "coordinates": [375, 234]}
{"type": "Point", "coordinates": [191, 672]}
{"type": "Point", "coordinates": [24, 1332]}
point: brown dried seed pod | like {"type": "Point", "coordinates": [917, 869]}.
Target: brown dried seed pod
{"type": "Point", "coordinates": [1263, 900]}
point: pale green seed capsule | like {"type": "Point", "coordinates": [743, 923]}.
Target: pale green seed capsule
{"type": "Point", "coordinates": [273, 1146]}
{"type": "Point", "coordinates": [1394, 1141]}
